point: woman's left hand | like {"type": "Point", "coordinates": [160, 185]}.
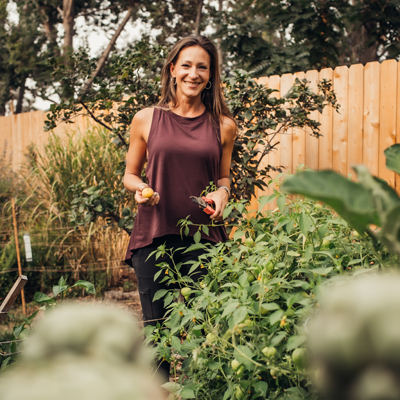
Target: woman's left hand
{"type": "Point", "coordinates": [220, 198]}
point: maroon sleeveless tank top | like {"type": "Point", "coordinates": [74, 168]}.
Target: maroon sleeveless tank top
{"type": "Point", "coordinates": [184, 156]}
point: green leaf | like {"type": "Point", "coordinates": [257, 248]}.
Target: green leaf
{"type": "Point", "coordinates": [176, 343]}
{"type": "Point", "coordinates": [59, 289]}
{"type": "Point", "coordinates": [193, 247]}
{"type": "Point", "coordinates": [85, 285]}
{"type": "Point", "coordinates": [321, 271]}
{"type": "Point", "coordinates": [227, 211]}
{"type": "Point", "coordinates": [244, 355]}
{"type": "Point", "coordinates": [41, 298]}
{"type": "Point", "coordinates": [187, 393]}
{"type": "Point", "coordinates": [264, 200]}
{"type": "Point", "coordinates": [238, 234]}
{"type": "Point", "coordinates": [276, 316]}
{"type": "Point", "coordinates": [351, 200]}
{"type": "Point", "coordinates": [160, 294]}
{"type": "Point", "coordinates": [392, 154]}
{"type": "Point", "coordinates": [205, 230]}
{"type": "Point", "coordinates": [281, 203]}
{"type": "Point", "coordinates": [391, 230]}
{"type": "Point", "coordinates": [230, 308]}
{"type": "Point", "coordinates": [197, 237]}
{"type": "Point", "coordinates": [278, 338]}
{"type": "Point", "coordinates": [261, 388]}
{"type": "Point", "coordinates": [293, 253]}
{"type": "Point", "coordinates": [239, 315]}
{"type": "Point", "coordinates": [305, 223]}
{"type": "Point", "coordinates": [294, 342]}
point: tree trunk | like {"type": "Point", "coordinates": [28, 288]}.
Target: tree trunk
{"type": "Point", "coordinates": [219, 40]}
{"type": "Point", "coordinates": [104, 56]}
{"type": "Point", "coordinates": [20, 99]}
{"type": "Point", "coordinates": [198, 19]}
{"type": "Point", "coordinates": [68, 22]}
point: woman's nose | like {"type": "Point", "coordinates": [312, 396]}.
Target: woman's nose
{"type": "Point", "coordinates": [193, 72]}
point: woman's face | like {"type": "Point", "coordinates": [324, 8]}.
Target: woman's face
{"type": "Point", "coordinates": [192, 71]}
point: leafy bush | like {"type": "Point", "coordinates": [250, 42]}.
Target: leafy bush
{"type": "Point", "coordinates": [243, 324]}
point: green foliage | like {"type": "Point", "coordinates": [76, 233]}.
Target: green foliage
{"type": "Point", "coordinates": [252, 305]}
{"type": "Point", "coordinates": [283, 37]}
{"type": "Point", "coordinates": [369, 201]}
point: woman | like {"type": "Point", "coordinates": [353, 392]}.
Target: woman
{"type": "Point", "coordinates": [188, 139]}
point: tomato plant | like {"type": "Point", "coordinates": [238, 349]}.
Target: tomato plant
{"type": "Point", "coordinates": [239, 328]}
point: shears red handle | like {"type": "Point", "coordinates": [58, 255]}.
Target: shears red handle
{"type": "Point", "coordinates": [204, 203]}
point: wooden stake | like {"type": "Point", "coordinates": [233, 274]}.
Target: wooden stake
{"type": "Point", "coordinates": [12, 295]}
{"type": "Point", "coordinates": [18, 255]}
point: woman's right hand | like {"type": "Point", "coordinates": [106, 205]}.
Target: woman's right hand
{"type": "Point", "coordinates": [152, 201]}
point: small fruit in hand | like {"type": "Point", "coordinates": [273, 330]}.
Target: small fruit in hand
{"type": "Point", "coordinates": [147, 192]}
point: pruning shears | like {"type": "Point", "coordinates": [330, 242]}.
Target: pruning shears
{"type": "Point", "coordinates": [204, 203]}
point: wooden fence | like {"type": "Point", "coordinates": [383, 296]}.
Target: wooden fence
{"type": "Point", "coordinates": [368, 122]}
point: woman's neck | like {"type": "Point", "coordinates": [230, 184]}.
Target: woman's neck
{"type": "Point", "coordinates": [188, 108]}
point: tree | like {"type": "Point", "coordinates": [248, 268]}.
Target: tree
{"type": "Point", "coordinates": [28, 44]}
{"type": "Point", "coordinates": [287, 36]}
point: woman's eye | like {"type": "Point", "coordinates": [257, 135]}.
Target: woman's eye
{"type": "Point", "coordinates": [185, 65]}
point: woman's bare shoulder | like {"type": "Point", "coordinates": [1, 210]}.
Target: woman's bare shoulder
{"type": "Point", "coordinates": [228, 129]}
{"type": "Point", "coordinates": [144, 114]}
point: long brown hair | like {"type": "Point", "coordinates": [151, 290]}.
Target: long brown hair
{"type": "Point", "coordinates": [212, 98]}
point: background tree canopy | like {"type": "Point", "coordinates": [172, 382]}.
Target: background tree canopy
{"type": "Point", "coordinates": [260, 36]}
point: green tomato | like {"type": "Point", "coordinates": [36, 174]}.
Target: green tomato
{"type": "Point", "coordinates": [273, 372]}
{"type": "Point", "coordinates": [250, 278]}
{"type": "Point", "coordinates": [240, 370]}
{"type": "Point", "coordinates": [300, 358]}
{"type": "Point", "coordinates": [211, 338]}
{"type": "Point", "coordinates": [186, 291]}
{"type": "Point", "coordinates": [318, 205]}
{"type": "Point", "coordinates": [235, 364]}
{"type": "Point", "coordinates": [249, 242]}
{"type": "Point", "coordinates": [269, 352]}
{"type": "Point", "coordinates": [263, 311]}
{"type": "Point", "coordinates": [239, 393]}
{"type": "Point", "coordinates": [270, 266]}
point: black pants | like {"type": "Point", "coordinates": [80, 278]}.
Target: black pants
{"type": "Point", "coordinates": [146, 269]}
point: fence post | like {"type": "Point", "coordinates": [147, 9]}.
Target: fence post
{"type": "Point", "coordinates": [18, 255]}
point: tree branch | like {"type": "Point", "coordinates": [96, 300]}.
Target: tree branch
{"type": "Point", "coordinates": [103, 124]}
{"type": "Point", "coordinates": [104, 56]}
{"type": "Point", "coordinates": [198, 19]}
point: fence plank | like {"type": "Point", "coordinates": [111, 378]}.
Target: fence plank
{"type": "Point", "coordinates": [355, 118]}
{"type": "Point", "coordinates": [274, 82]}
{"type": "Point", "coordinates": [325, 147]}
{"type": "Point", "coordinates": [371, 116]}
{"type": "Point", "coordinates": [299, 137]}
{"type": "Point", "coordinates": [312, 145]}
{"type": "Point", "coordinates": [398, 122]}
{"type": "Point", "coordinates": [387, 127]}
{"type": "Point", "coordinates": [339, 144]}
{"type": "Point", "coordinates": [286, 139]}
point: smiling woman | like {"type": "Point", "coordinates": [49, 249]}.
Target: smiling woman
{"type": "Point", "coordinates": [188, 140]}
